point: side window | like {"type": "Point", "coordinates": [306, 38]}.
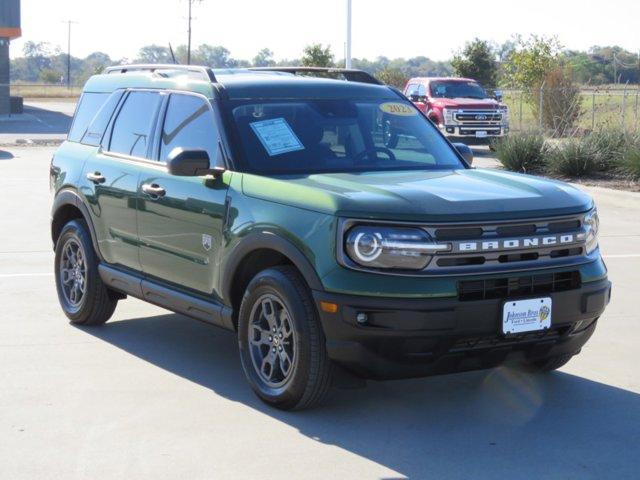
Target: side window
{"type": "Point", "coordinates": [134, 125]}
{"type": "Point", "coordinates": [412, 89]}
{"type": "Point", "coordinates": [89, 105]}
{"type": "Point", "coordinates": [94, 133]}
{"type": "Point", "coordinates": [422, 90]}
{"type": "Point", "coordinates": [189, 124]}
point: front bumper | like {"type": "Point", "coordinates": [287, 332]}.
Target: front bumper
{"type": "Point", "coordinates": [470, 132]}
{"type": "Point", "coordinates": [405, 338]}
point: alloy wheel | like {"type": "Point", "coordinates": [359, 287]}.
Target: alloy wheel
{"type": "Point", "coordinates": [272, 341]}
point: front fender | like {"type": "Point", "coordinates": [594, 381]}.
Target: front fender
{"type": "Point", "coordinates": [266, 240]}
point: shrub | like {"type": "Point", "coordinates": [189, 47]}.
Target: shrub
{"type": "Point", "coordinates": [573, 158]}
{"type": "Point", "coordinates": [608, 145]}
{"type": "Point", "coordinates": [561, 102]}
{"type": "Point", "coordinates": [521, 152]}
{"type": "Point", "coordinates": [630, 162]}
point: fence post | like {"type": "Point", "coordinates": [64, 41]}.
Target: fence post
{"type": "Point", "coordinates": [520, 113]}
{"type": "Point", "coordinates": [593, 110]}
{"type": "Point", "coordinates": [635, 111]}
{"type": "Point", "coordinates": [541, 106]}
{"type": "Point", "coordinates": [624, 106]}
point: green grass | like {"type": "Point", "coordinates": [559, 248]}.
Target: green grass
{"type": "Point", "coordinates": [45, 91]}
{"type": "Point", "coordinates": [602, 111]}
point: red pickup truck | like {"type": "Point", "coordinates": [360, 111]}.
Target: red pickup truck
{"type": "Point", "coordinates": [460, 107]}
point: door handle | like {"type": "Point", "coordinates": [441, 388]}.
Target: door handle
{"type": "Point", "coordinates": [153, 190]}
{"type": "Point", "coordinates": [96, 177]}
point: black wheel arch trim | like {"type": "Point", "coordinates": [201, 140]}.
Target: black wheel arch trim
{"type": "Point", "coordinates": [271, 241]}
{"type": "Point", "coordinates": [68, 196]}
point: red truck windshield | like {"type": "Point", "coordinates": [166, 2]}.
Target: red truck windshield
{"type": "Point", "coordinates": [457, 89]}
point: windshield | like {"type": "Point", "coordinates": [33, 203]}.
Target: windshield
{"type": "Point", "coordinates": [314, 136]}
{"type": "Point", "coordinates": [457, 89]}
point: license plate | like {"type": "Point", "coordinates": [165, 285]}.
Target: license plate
{"type": "Point", "coordinates": [481, 134]}
{"type": "Point", "coordinates": [526, 315]}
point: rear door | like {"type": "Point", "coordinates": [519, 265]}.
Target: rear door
{"type": "Point", "coordinates": [181, 228]}
{"type": "Point", "coordinates": [110, 177]}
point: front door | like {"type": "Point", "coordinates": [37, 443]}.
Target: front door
{"type": "Point", "coordinates": [180, 219]}
{"type": "Point", "coordinates": [110, 178]}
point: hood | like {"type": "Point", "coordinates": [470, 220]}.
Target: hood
{"type": "Point", "coordinates": [437, 196]}
{"type": "Point", "coordinates": [466, 103]}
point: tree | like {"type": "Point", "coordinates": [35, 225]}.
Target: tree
{"type": "Point", "coordinates": [264, 58]}
{"type": "Point", "coordinates": [49, 76]}
{"type": "Point", "coordinates": [530, 62]}
{"type": "Point", "coordinates": [317, 56]}
{"type": "Point", "coordinates": [215, 57]}
{"type": "Point", "coordinates": [393, 77]}
{"type": "Point", "coordinates": [154, 54]}
{"type": "Point", "coordinates": [478, 61]}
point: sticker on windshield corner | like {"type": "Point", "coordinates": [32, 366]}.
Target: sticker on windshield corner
{"type": "Point", "coordinates": [276, 136]}
{"type": "Point", "coordinates": [399, 109]}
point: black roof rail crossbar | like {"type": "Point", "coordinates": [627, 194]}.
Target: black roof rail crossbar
{"type": "Point", "coordinates": [206, 72]}
{"type": "Point", "coordinates": [349, 74]}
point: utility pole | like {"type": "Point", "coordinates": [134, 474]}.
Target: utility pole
{"type": "Point", "coordinates": [69, 23]}
{"type": "Point", "coordinates": [190, 2]}
{"type": "Point", "coordinates": [189, 34]}
{"type": "Point", "coordinates": [347, 61]}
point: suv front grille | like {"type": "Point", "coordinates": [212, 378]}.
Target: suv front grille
{"type": "Point", "coordinates": [512, 287]}
{"type": "Point", "coordinates": [501, 246]}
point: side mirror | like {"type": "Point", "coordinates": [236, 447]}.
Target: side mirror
{"type": "Point", "coordinates": [414, 97]}
{"type": "Point", "coordinates": [465, 151]}
{"type": "Point", "coordinates": [497, 94]}
{"type": "Point", "coordinates": [191, 163]}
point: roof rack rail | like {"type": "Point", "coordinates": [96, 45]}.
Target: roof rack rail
{"type": "Point", "coordinates": [206, 72]}
{"type": "Point", "coordinates": [348, 74]}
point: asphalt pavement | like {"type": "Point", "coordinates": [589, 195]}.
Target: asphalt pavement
{"type": "Point", "coordinates": [156, 395]}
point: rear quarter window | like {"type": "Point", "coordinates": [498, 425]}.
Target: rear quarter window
{"type": "Point", "coordinates": [95, 131]}
{"type": "Point", "coordinates": [88, 106]}
{"type": "Point", "coordinates": [134, 124]}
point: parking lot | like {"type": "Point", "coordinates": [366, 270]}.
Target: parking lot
{"type": "Point", "coordinates": [155, 395]}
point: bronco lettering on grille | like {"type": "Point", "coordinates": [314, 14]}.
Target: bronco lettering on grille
{"type": "Point", "coordinates": [513, 243]}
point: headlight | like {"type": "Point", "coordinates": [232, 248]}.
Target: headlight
{"type": "Point", "coordinates": [391, 247]}
{"type": "Point", "coordinates": [592, 223]}
{"type": "Point", "coordinates": [505, 115]}
{"type": "Point", "coordinates": [447, 113]}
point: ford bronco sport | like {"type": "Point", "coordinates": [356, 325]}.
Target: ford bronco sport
{"type": "Point", "coordinates": [267, 203]}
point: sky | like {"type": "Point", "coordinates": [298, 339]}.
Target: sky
{"type": "Point", "coordinates": [402, 28]}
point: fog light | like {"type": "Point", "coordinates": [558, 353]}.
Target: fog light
{"type": "Point", "coordinates": [362, 318]}
{"type": "Point", "coordinates": [450, 130]}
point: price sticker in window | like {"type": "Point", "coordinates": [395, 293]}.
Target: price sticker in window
{"type": "Point", "coordinates": [398, 109]}
{"type": "Point", "coordinates": [276, 136]}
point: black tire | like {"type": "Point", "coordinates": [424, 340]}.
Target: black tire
{"type": "Point", "coordinates": [97, 303]}
{"type": "Point", "coordinates": [309, 373]}
{"type": "Point", "coordinates": [550, 364]}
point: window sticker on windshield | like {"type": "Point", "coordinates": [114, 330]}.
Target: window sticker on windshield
{"type": "Point", "coordinates": [276, 136]}
{"type": "Point", "coordinates": [399, 109]}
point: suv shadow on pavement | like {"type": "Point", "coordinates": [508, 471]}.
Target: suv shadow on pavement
{"type": "Point", "coordinates": [501, 422]}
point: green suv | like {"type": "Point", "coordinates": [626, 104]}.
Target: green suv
{"type": "Point", "coordinates": [267, 202]}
